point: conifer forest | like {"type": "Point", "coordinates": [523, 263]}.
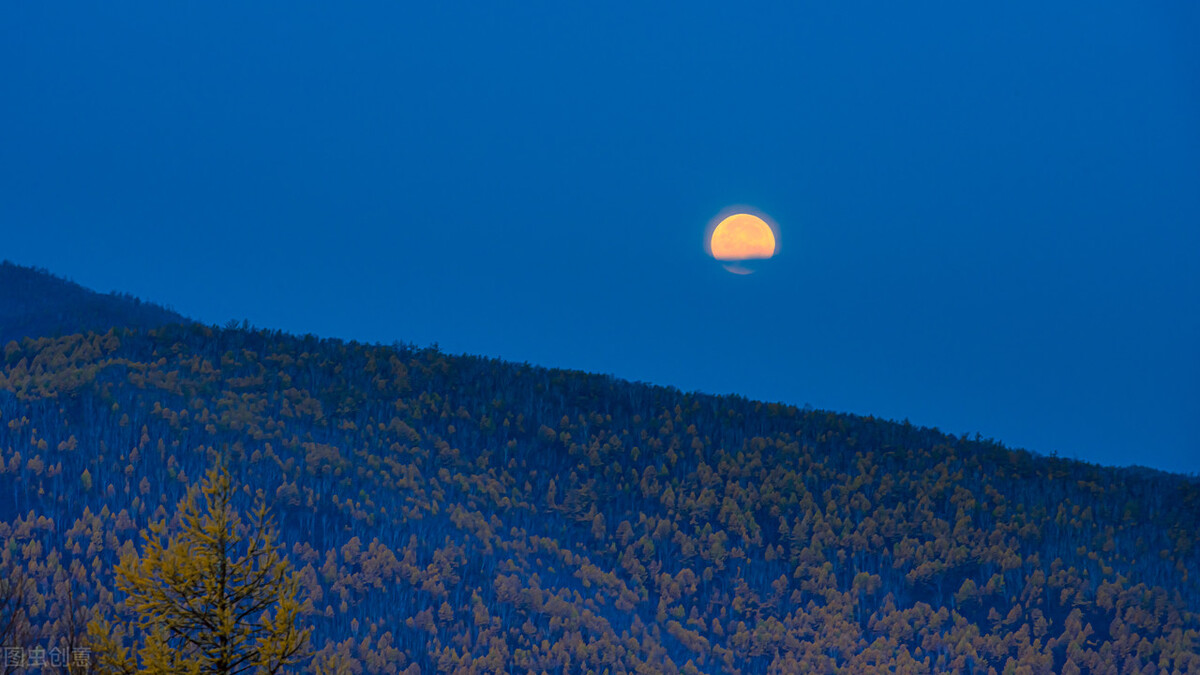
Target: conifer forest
{"type": "Point", "coordinates": [178, 497]}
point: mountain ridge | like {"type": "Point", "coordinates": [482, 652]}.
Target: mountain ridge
{"type": "Point", "coordinates": [115, 309]}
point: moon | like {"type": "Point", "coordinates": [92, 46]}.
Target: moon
{"type": "Point", "coordinates": [739, 238]}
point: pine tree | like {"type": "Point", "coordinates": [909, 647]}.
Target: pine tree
{"type": "Point", "coordinates": [216, 597]}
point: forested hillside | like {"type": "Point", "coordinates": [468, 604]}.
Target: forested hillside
{"type": "Point", "coordinates": [33, 303]}
{"type": "Point", "coordinates": [453, 514]}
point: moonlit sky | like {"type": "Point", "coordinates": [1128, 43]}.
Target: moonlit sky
{"type": "Point", "coordinates": [988, 212]}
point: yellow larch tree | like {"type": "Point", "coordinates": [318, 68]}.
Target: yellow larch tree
{"type": "Point", "coordinates": [216, 597]}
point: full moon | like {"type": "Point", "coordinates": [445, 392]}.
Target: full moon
{"type": "Point", "coordinates": [741, 237]}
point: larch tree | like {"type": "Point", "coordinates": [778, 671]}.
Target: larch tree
{"type": "Point", "coordinates": [14, 620]}
{"type": "Point", "coordinates": [215, 597]}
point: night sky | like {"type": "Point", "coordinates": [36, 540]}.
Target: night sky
{"type": "Point", "coordinates": [989, 213]}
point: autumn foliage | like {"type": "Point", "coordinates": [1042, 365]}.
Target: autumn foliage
{"type": "Point", "coordinates": [215, 598]}
{"type": "Point", "coordinates": [465, 515]}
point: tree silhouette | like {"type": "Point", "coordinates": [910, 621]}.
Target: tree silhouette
{"type": "Point", "coordinates": [217, 597]}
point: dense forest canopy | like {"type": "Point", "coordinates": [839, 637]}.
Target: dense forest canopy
{"type": "Point", "coordinates": [459, 514]}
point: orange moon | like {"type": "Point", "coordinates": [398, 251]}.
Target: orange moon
{"type": "Point", "coordinates": [742, 236]}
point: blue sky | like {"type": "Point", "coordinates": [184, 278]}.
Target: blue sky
{"type": "Point", "coordinates": [988, 213]}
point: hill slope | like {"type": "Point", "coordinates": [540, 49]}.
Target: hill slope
{"type": "Point", "coordinates": [35, 303]}
{"type": "Point", "coordinates": [458, 514]}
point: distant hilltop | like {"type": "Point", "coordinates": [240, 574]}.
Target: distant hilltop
{"type": "Point", "coordinates": [36, 303]}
